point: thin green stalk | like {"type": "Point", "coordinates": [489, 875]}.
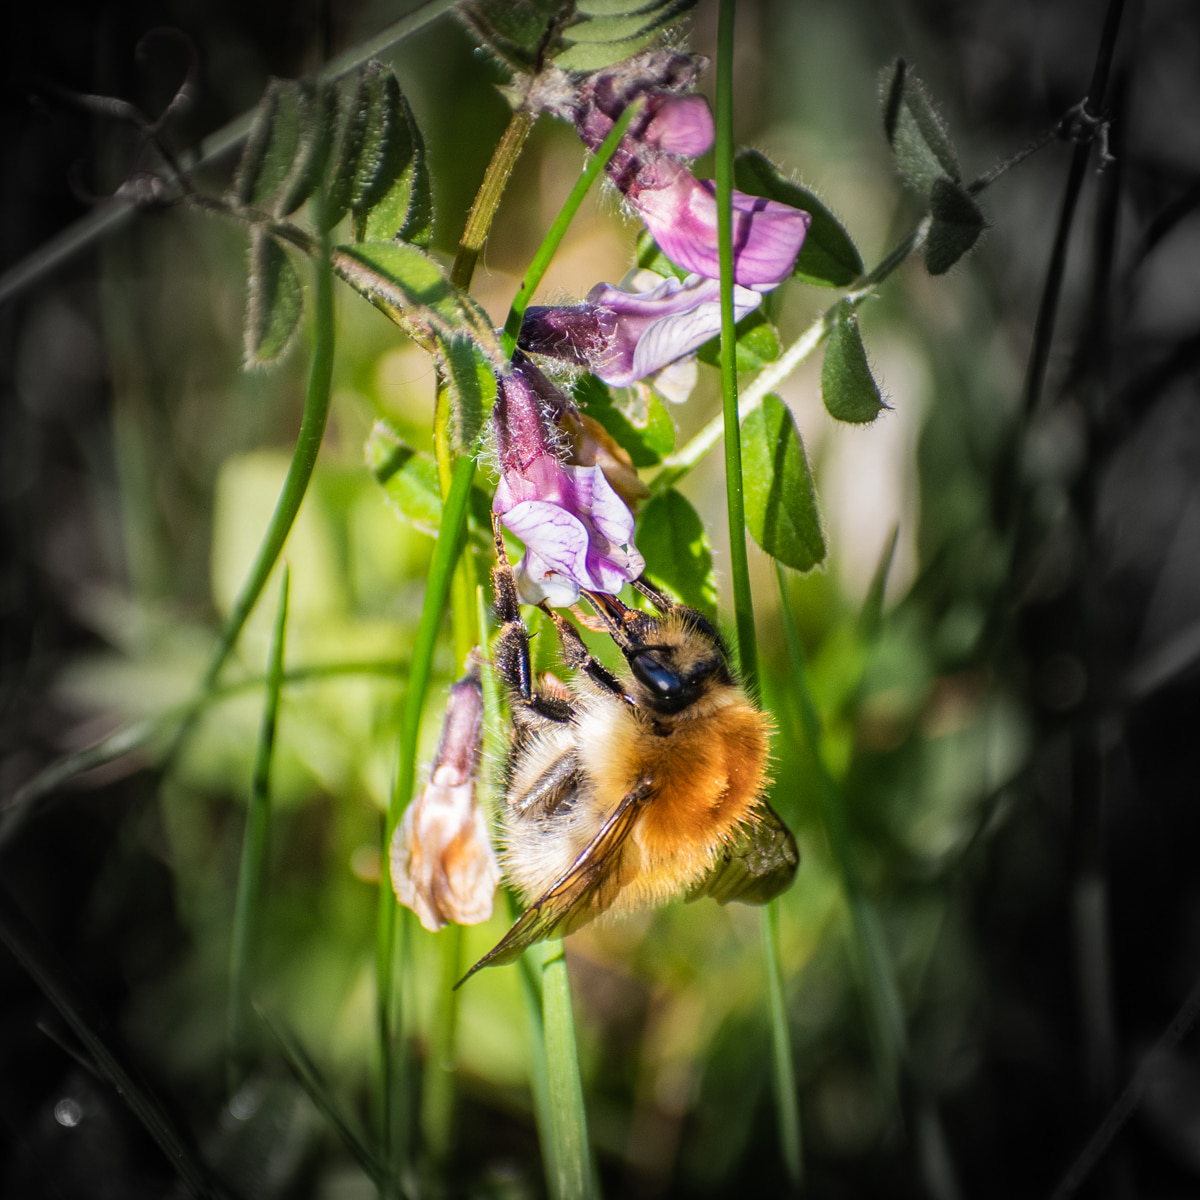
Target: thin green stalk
{"type": "Point", "coordinates": [53, 977]}
{"type": "Point", "coordinates": [300, 469]}
{"type": "Point", "coordinates": [886, 1027]}
{"type": "Point", "coordinates": [311, 1081]}
{"type": "Point", "coordinates": [437, 1098]}
{"type": "Point", "coordinates": [781, 1044]}
{"type": "Point", "coordinates": [247, 912]}
{"type": "Point", "coordinates": [546, 251]}
{"type": "Point", "coordinates": [571, 1153]}
{"type": "Point", "coordinates": [739, 562]}
{"type": "Point", "coordinates": [437, 588]}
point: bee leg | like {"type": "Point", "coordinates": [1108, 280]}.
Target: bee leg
{"type": "Point", "coordinates": [660, 600]}
{"type": "Point", "coordinates": [576, 656]}
{"type": "Point", "coordinates": [510, 650]}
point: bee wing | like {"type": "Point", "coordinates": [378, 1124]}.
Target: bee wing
{"type": "Point", "coordinates": [755, 865]}
{"type": "Point", "coordinates": [583, 892]}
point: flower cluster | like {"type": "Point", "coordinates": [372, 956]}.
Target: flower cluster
{"type": "Point", "coordinates": [563, 490]}
{"type": "Point", "coordinates": [443, 864]}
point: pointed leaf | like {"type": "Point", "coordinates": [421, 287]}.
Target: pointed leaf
{"type": "Point", "coordinates": [955, 228]}
{"type": "Point", "coordinates": [828, 257]}
{"type": "Point", "coordinates": [353, 134]}
{"type": "Point", "coordinates": [275, 303]}
{"type": "Point", "coordinates": [604, 40]}
{"type": "Point", "coordinates": [318, 125]}
{"type": "Point", "coordinates": [515, 30]}
{"type": "Point", "coordinates": [385, 452]}
{"type": "Point", "coordinates": [271, 146]}
{"type": "Point", "coordinates": [781, 504]}
{"type": "Point", "coordinates": [915, 130]}
{"type": "Point", "coordinates": [674, 543]}
{"type": "Point", "coordinates": [755, 344]}
{"type": "Point", "coordinates": [641, 426]}
{"type": "Point", "coordinates": [847, 385]}
{"type": "Point", "coordinates": [409, 479]}
{"type": "Point", "coordinates": [414, 291]}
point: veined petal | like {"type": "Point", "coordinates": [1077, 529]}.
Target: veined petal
{"type": "Point", "coordinates": [682, 125]}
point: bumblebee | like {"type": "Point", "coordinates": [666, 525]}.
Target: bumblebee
{"type": "Point", "coordinates": [625, 791]}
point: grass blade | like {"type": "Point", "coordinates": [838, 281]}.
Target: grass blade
{"type": "Point", "coordinates": [574, 1176]}
{"type": "Point", "coordinates": [310, 1079]}
{"type": "Point", "coordinates": [51, 975]}
{"type": "Point", "coordinates": [247, 913]}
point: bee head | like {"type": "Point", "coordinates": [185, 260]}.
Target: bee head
{"type": "Point", "coordinates": [676, 659]}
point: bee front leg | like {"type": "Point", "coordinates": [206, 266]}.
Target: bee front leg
{"type": "Point", "coordinates": [510, 650]}
{"type": "Point", "coordinates": [576, 656]}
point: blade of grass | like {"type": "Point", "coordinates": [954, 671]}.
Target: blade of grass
{"type": "Point", "coordinates": [886, 1017]}
{"type": "Point", "coordinates": [437, 1096]}
{"type": "Point", "coordinates": [310, 1079]}
{"type": "Point", "coordinates": [247, 912]}
{"type": "Point", "coordinates": [783, 1076]}
{"type": "Point", "coordinates": [52, 976]}
{"type": "Point", "coordinates": [571, 1151]}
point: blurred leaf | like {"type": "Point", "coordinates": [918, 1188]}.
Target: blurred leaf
{"type": "Point", "coordinates": [847, 385]}
{"type": "Point", "coordinates": [408, 477]}
{"type": "Point", "coordinates": [643, 428]}
{"type": "Point", "coordinates": [828, 257]}
{"type": "Point", "coordinates": [674, 542]}
{"type": "Point", "coordinates": [318, 121]}
{"type": "Point", "coordinates": [385, 452]}
{"type": "Point", "coordinates": [413, 289]}
{"type": "Point", "coordinates": [472, 385]}
{"type": "Point", "coordinates": [955, 228]}
{"type": "Point", "coordinates": [915, 130]}
{"type": "Point", "coordinates": [513, 29]}
{"type": "Point", "coordinates": [781, 505]}
{"type": "Point", "coordinates": [271, 146]}
{"type": "Point", "coordinates": [275, 301]}
{"type": "Point", "coordinates": [756, 344]}
{"type": "Point", "coordinates": [651, 258]}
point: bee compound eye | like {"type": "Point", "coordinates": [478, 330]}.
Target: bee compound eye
{"type": "Point", "coordinates": [663, 683]}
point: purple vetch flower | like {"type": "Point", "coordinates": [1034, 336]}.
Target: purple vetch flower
{"type": "Point", "coordinates": [443, 864]}
{"type": "Point", "coordinates": [623, 336]}
{"type": "Point", "coordinates": [679, 210]}
{"type": "Point", "coordinates": [578, 532]}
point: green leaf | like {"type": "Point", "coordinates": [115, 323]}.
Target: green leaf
{"type": "Point", "coordinates": [781, 505]}
{"type": "Point", "coordinates": [756, 343]}
{"type": "Point", "coordinates": [651, 258]}
{"type": "Point", "coordinates": [385, 452]}
{"type": "Point", "coordinates": [955, 228]}
{"type": "Point", "coordinates": [472, 385]}
{"type": "Point", "coordinates": [408, 477]}
{"type": "Point", "coordinates": [275, 302]}
{"type": "Point", "coordinates": [675, 545]}
{"type": "Point", "coordinates": [413, 289]}
{"type": "Point", "coordinates": [318, 121]}
{"type": "Point", "coordinates": [600, 41]}
{"type": "Point", "coordinates": [353, 138]}
{"type": "Point", "coordinates": [270, 147]}
{"type": "Point", "coordinates": [847, 385]}
{"type": "Point", "coordinates": [391, 185]}
{"type": "Point", "coordinates": [915, 130]}
{"type": "Point", "coordinates": [641, 426]}
{"type": "Point", "coordinates": [828, 257]}
{"type": "Point", "coordinates": [514, 30]}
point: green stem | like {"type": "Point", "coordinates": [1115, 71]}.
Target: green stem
{"type": "Point", "coordinates": [739, 562]}
{"type": "Point", "coordinates": [571, 1155]}
{"type": "Point", "coordinates": [541, 260]}
{"type": "Point", "coordinates": [437, 1099]}
{"type": "Point", "coordinates": [304, 458]}
{"type": "Point", "coordinates": [247, 913]}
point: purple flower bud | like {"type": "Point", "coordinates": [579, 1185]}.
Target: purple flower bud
{"type": "Point", "coordinates": [578, 532]}
{"type": "Point", "coordinates": [443, 864]}
{"type": "Point", "coordinates": [624, 336]}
